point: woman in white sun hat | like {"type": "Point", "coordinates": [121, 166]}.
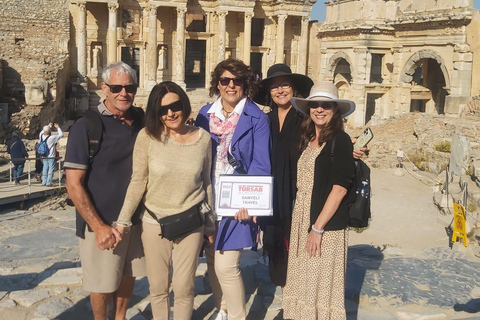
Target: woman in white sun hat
{"type": "Point", "coordinates": [319, 236]}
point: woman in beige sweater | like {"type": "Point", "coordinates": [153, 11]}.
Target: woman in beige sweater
{"type": "Point", "coordinates": [171, 174]}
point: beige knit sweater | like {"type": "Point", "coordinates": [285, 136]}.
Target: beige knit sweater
{"type": "Point", "coordinates": [168, 176]}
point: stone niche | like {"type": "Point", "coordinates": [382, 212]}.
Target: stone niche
{"type": "Point", "coordinates": [36, 93]}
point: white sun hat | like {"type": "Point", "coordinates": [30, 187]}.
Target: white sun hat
{"type": "Point", "coordinates": [324, 91]}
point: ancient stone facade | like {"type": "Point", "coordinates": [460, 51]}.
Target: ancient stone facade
{"type": "Point", "coordinates": [398, 56]}
{"type": "Point", "coordinates": [34, 39]}
{"type": "Point", "coordinates": [182, 40]}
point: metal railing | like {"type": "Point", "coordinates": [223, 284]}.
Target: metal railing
{"type": "Point", "coordinates": [28, 170]}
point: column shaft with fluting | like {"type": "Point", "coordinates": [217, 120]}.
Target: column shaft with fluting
{"type": "Point", "coordinates": [280, 38]}
{"type": "Point", "coordinates": [112, 33]}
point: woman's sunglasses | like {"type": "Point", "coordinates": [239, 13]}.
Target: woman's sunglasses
{"type": "Point", "coordinates": [323, 104]}
{"type": "Point", "coordinates": [116, 88]}
{"type": "Point", "coordinates": [225, 81]}
{"type": "Point", "coordinates": [174, 106]}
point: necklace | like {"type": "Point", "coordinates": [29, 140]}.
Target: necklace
{"type": "Point", "coordinates": [226, 113]}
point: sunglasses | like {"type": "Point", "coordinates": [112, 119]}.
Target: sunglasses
{"type": "Point", "coordinates": [225, 81]}
{"type": "Point", "coordinates": [174, 106]}
{"type": "Point", "coordinates": [323, 104]}
{"type": "Point", "coordinates": [284, 86]}
{"type": "Point", "coordinates": [116, 88]}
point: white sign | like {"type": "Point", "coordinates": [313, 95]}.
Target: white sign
{"type": "Point", "coordinates": [254, 193]}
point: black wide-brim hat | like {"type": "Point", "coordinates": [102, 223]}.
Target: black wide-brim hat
{"type": "Point", "coordinates": [300, 82]}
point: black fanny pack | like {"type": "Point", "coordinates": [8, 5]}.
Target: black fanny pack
{"type": "Point", "coordinates": [180, 224]}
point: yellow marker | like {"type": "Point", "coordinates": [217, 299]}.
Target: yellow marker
{"type": "Point", "coordinates": [459, 228]}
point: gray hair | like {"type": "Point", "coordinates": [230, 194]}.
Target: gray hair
{"type": "Point", "coordinates": [120, 68]}
{"type": "Point", "coordinates": [47, 129]}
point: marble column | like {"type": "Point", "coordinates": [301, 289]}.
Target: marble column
{"type": "Point", "coordinates": [151, 52]}
{"type": "Point", "coordinates": [82, 41]}
{"type": "Point", "coordinates": [247, 37]}
{"type": "Point", "coordinates": [112, 33]}
{"type": "Point", "coordinates": [303, 47]}
{"type": "Point", "coordinates": [180, 48]}
{"type": "Point", "coordinates": [279, 58]}
{"type": "Point", "coordinates": [222, 27]}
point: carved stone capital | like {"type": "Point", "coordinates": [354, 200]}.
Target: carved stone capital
{"type": "Point", "coordinates": [462, 47]}
{"type": "Point", "coordinates": [113, 7]}
{"type": "Point", "coordinates": [152, 9]}
{"type": "Point", "coordinates": [221, 14]}
{"type": "Point", "coordinates": [181, 11]}
{"type": "Point", "coordinates": [82, 5]}
{"type": "Point", "coordinates": [282, 18]}
{"type": "Point", "coordinates": [249, 16]}
{"type": "Point", "coordinates": [305, 20]}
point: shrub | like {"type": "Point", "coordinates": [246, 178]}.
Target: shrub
{"type": "Point", "coordinates": [420, 161]}
{"type": "Point", "coordinates": [443, 146]}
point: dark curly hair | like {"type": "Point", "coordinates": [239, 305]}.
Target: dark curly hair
{"type": "Point", "coordinates": [308, 129]}
{"type": "Point", "coordinates": [239, 70]}
{"type": "Point", "coordinates": [153, 123]}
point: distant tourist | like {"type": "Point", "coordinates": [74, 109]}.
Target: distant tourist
{"type": "Point", "coordinates": [49, 160]}
{"type": "Point", "coordinates": [315, 287]}
{"type": "Point", "coordinates": [17, 151]}
{"type": "Point", "coordinates": [400, 155]}
{"type": "Point", "coordinates": [97, 188]}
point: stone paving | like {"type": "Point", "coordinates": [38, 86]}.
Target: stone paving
{"type": "Point", "coordinates": [40, 278]}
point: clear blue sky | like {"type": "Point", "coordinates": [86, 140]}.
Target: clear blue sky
{"type": "Point", "coordinates": [318, 12]}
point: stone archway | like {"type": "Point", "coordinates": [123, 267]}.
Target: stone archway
{"type": "Point", "coordinates": [333, 63]}
{"type": "Point", "coordinates": [411, 65]}
{"type": "Point", "coordinates": [429, 81]}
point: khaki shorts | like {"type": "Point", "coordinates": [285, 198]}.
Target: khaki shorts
{"type": "Point", "coordinates": [103, 269]}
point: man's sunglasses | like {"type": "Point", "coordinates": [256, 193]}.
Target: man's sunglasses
{"type": "Point", "coordinates": [225, 81]}
{"type": "Point", "coordinates": [116, 88]}
{"type": "Point", "coordinates": [174, 106]}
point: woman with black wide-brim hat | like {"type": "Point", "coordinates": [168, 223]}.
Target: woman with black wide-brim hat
{"type": "Point", "coordinates": [276, 91]}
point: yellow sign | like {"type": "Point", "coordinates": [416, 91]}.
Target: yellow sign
{"type": "Point", "coordinates": [459, 228]}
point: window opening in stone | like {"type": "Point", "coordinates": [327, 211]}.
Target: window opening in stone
{"type": "Point", "coordinates": [258, 26]}
{"type": "Point", "coordinates": [343, 69]}
{"type": "Point", "coordinates": [376, 68]}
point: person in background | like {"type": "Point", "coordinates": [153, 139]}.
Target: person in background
{"type": "Point", "coordinates": [171, 174]}
{"type": "Point", "coordinates": [17, 151]}
{"type": "Point", "coordinates": [97, 187]}
{"type": "Point", "coordinates": [315, 286]}
{"type": "Point", "coordinates": [240, 133]}
{"type": "Point", "coordinates": [49, 161]}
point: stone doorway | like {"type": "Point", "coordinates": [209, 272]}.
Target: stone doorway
{"type": "Point", "coordinates": [131, 56]}
{"type": "Point", "coordinates": [372, 100]}
{"type": "Point", "coordinates": [195, 63]}
{"type": "Point", "coordinates": [256, 64]}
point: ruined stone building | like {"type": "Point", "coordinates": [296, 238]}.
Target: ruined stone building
{"type": "Point", "coordinates": [389, 56]}
{"type": "Point", "coordinates": [398, 56]}
{"type": "Point", "coordinates": [182, 41]}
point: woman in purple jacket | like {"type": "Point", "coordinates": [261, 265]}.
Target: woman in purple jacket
{"type": "Point", "coordinates": [238, 127]}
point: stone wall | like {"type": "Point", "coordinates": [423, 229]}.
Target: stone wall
{"type": "Point", "coordinates": [34, 39]}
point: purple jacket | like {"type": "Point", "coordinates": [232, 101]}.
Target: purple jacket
{"type": "Point", "coordinates": [251, 144]}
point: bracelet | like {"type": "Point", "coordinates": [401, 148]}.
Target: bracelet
{"type": "Point", "coordinates": [320, 232]}
{"type": "Point", "coordinates": [125, 225]}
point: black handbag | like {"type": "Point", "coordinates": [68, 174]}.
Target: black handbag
{"type": "Point", "coordinates": [180, 224]}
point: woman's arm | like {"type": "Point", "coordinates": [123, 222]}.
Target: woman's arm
{"type": "Point", "coordinates": [260, 164]}
{"type": "Point", "coordinates": [207, 185]}
{"type": "Point", "coordinates": [139, 179]}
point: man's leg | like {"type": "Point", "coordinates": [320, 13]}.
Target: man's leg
{"type": "Point", "coordinates": [19, 172]}
{"type": "Point", "coordinates": [44, 172]}
{"type": "Point", "coordinates": [51, 168]}
{"type": "Point", "coordinates": [121, 298]}
{"type": "Point", "coordinates": [100, 303]}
